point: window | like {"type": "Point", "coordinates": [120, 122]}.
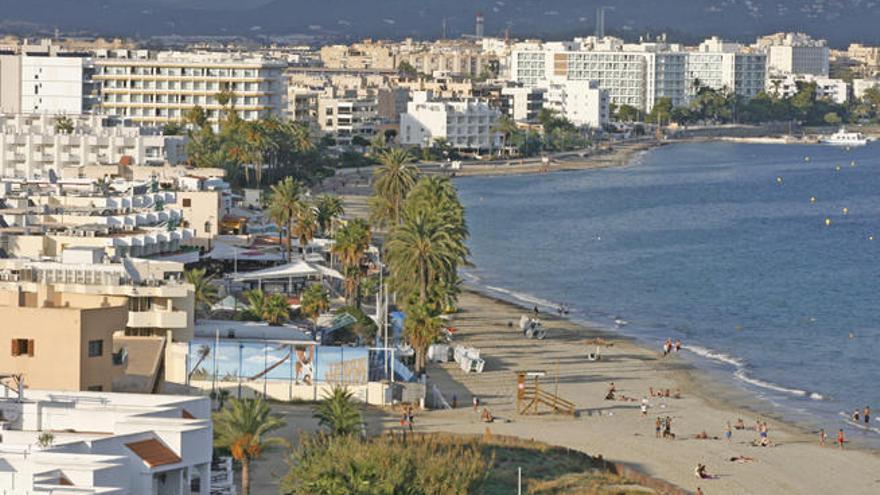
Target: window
{"type": "Point", "coordinates": [187, 202]}
{"type": "Point", "coordinates": [95, 388]}
{"type": "Point", "coordinates": [96, 348]}
{"type": "Point", "coordinates": [21, 347]}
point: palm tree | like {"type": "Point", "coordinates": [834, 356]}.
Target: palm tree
{"type": "Point", "coordinates": [351, 244]}
{"type": "Point", "coordinates": [393, 180]}
{"type": "Point", "coordinates": [243, 428]}
{"type": "Point", "coordinates": [328, 208]}
{"type": "Point", "coordinates": [285, 199]}
{"type": "Point", "coordinates": [203, 352]}
{"type": "Point", "coordinates": [205, 293]}
{"type": "Point", "coordinates": [421, 250]}
{"type": "Point", "coordinates": [314, 301]}
{"type": "Point", "coordinates": [256, 303]}
{"type": "Point", "coordinates": [421, 328]}
{"type": "Point", "coordinates": [277, 310]}
{"type": "Point", "coordinates": [338, 413]}
{"type": "Point", "coordinates": [305, 226]}
{"type": "Point", "coordinates": [507, 128]}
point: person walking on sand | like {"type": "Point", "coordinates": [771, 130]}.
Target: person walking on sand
{"type": "Point", "coordinates": [822, 437]}
{"type": "Point", "coordinates": [840, 439]}
{"type": "Point", "coordinates": [657, 427]}
{"type": "Point", "coordinates": [728, 432]}
{"type": "Point", "coordinates": [644, 406]}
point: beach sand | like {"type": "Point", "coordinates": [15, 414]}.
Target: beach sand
{"type": "Point", "coordinates": [616, 429]}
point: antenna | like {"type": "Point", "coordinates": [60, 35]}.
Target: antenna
{"type": "Point", "coordinates": [600, 21]}
{"type": "Point", "coordinates": [445, 34]}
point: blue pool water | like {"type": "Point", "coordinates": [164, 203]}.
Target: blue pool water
{"type": "Point", "coordinates": [718, 244]}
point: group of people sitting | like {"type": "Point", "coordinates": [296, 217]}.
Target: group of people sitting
{"type": "Point", "coordinates": [660, 392]}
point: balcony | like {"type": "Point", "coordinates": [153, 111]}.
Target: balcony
{"type": "Point", "coordinates": [157, 319]}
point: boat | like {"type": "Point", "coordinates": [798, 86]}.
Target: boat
{"type": "Point", "coordinates": [845, 138]}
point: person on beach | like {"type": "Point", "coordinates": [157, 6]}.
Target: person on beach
{"type": "Point", "coordinates": [740, 425]}
{"type": "Point", "coordinates": [658, 425]}
{"type": "Point", "coordinates": [410, 417]}
{"type": "Point", "coordinates": [840, 439]}
{"type": "Point", "coordinates": [701, 472]}
{"type": "Point", "coordinates": [677, 345]}
{"type": "Point", "coordinates": [535, 311]}
{"type": "Point", "coordinates": [699, 491]}
{"type": "Point", "coordinates": [644, 406]}
{"type": "Point", "coordinates": [867, 415]}
{"type": "Point", "coordinates": [454, 401]}
{"type": "Point", "coordinates": [486, 416]}
{"type": "Point", "coordinates": [822, 437]}
{"type": "Point", "coordinates": [855, 416]}
{"type": "Point", "coordinates": [476, 403]}
{"type": "Point", "coordinates": [728, 432]}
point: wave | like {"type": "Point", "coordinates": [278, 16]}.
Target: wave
{"type": "Point", "coordinates": [714, 356]}
{"type": "Point", "coordinates": [741, 374]}
{"type": "Point", "coordinates": [848, 420]}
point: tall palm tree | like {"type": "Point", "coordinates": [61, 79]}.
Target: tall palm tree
{"type": "Point", "coordinates": [328, 208]}
{"type": "Point", "coordinates": [305, 226]}
{"type": "Point", "coordinates": [314, 302]}
{"type": "Point", "coordinates": [421, 250]}
{"type": "Point", "coordinates": [393, 180]}
{"type": "Point", "coordinates": [205, 293]}
{"type": "Point", "coordinates": [351, 244]}
{"type": "Point", "coordinates": [243, 428]}
{"type": "Point", "coordinates": [338, 413]}
{"type": "Point", "coordinates": [507, 128]}
{"type": "Point", "coordinates": [421, 328]}
{"type": "Point", "coordinates": [285, 200]}
{"type": "Point", "coordinates": [203, 352]}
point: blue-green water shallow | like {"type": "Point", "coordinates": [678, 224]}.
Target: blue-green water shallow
{"type": "Point", "coordinates": [718, 244]}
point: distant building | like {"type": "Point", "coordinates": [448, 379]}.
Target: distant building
{"type": "Point", "coordinates": [834, 90]}
{"type": "Point", "coordinates": [583, 103]}
{"type": "Point", "coordinates": [32, 145]}
{"type": "Point", "coordinates": [795, 53]}
{"type": "Point", "coordinates": [158, 88]}
{"type": "Point", "coordinates": [862, 85]}
{"type": "Point", "coordinates": [865, 55]}
{"type": "Point", "coordinates": [102, 443]}
{"type": "Point", "coordinates": [522, 104]}
{"type": "Point", "coordinates": [465, 124]}
{"type": "Point", "coordinates": [44, 79]}
{"type": "Point", "coordinates": [721, 65]}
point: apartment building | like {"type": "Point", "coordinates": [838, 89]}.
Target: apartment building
{"type": "Point", "coordinates": [465, 124]}
{"type": "Point", "coordinates": [61, 340]}
{"type": "Point", "coordinates": [368, 54]}
{"type": "Point", "coordinates": [105, 443]}
{"type": "Point", "coordinates": [640, 74]}
{"type": "Point", "coordinates": [868, 56]}
{"type": "Point", "coordinates": [462, 57]}
{"type": "Point", "coordinates": [862, 85]}
{"type": "Point", "coordinates": [44, 79]}
{"type": "Point", "coordinates": [157, 88]}
{"type": "Point", "coordinates": [583, 103]}
{"type": "Point", "coordinates": [522, 104]}
{"type": "Point", "coordinates": [344, 115]}
{"type": "Point", "coordinates": [786, 86]}
{"type": "Point", "coordinates": [795, 53]}
{"type": "Point", "coordinates": [32, 146]}
{"type": "Point", "coordinates": [124, 318]}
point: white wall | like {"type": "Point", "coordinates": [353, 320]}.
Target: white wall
{"type": "Point", "coordinates": [52, 84]}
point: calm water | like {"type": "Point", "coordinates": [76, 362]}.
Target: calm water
{"type": "Point", "coordinates": [703, 242]}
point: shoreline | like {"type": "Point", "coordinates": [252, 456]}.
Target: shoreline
{"type": "Point", "coordinates": [616, 430]}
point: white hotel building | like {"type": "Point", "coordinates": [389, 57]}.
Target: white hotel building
{"type": "Point", "coordinates": [157, 88]}
{"type": "Point", "coordinates": [640, 74]}
{"type": "Point", "coordinates": [465, 124]}
{"type": "Point", "coordinates": [31, 145]}
{"type": "Point", "coordinates": [104, 443]}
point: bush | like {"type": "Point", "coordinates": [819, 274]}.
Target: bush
{"type": "Point", "coordinates": [387, 464]}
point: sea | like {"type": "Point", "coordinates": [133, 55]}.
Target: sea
{"type": "Point", "coordinates": [761, 258]}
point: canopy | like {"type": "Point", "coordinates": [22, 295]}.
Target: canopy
{"type": "Point", "coordinates": [228, 303]}
{"type": "Point", "coordinates": [222, 251]}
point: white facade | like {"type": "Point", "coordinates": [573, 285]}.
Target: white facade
{"type": "Point", "coordinates": [640, 74]}
{"type": "Point", "coordinates": [862, 85]}
{"type": "Point", "coordinates": [795, 53]}
{"type": "Point", "coordinates": [836, 90]}
{"type": "Point", "coordinates": [345, 117]}
{"type": "Point", "coordinates": [31, 146]}
{"type": "Point", "coordinates": [162, 87]}
{"type": "Point", "coordinates": [464, 124]}
{"type": "Point", "coordinates": [581, 102]}
{"type": "Point", "coordinates": [34, 84]}
{"type": "Point", "coordinates": [522, 104]}
{"type": "Point", "coordinates": [103, 443]}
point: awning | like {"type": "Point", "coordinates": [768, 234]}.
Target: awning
{"type": "Point", "coordinates": [299, 269]}
{"type": "Point", "coordinates": [227, 252]}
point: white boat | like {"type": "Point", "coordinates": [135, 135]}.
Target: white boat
{"type": "Point", "coordinates": [844, 138]}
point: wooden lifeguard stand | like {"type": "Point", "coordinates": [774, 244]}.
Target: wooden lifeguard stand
{"type": "Point", "coordinates": [530, 395]}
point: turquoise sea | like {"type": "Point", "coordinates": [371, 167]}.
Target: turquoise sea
{"type": "Point", "coordinates": [724, 246]}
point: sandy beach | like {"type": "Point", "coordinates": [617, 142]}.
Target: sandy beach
{"type": "Point", "coordinates": [616, 429]}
